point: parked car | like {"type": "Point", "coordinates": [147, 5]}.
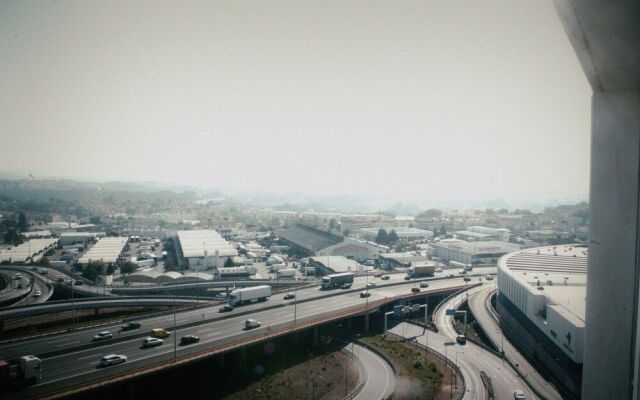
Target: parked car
{"type": "Point", "coordinates": [385, 277]}
{"type": "Point", "coordinates": [289, 296]}
{"type": "Point", "coordinates": [112, 359]}
{"type": "Point", "coordinates": [461, 339]}
{"type": "Point", "coordinates": [365, 294]}
{"type": "Point", "coordinates": [225, 308]}
{"type": "Point", "coordinates": [102, 336]}
{"type": "Point", "coordinates": [424, 284]}
{"type": "Point", "coordinates": [152, 342]}
{"type": "Point", "coordinates": [130, 325]}
{"type": "Point", "coordinates": [251, 323]}
{"type": "Point", "coordinates": [415, 289]}
{"type": "Point", "coordinates": [189, 339]}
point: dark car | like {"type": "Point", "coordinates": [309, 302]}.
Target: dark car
{"type": "Point", "coordinates": [385, 277]}
{"type": "Point", "coordinates": [78, 283]}
{"type": "Point", "coordinates": [407, 278]}
{"type": "Point", "coordinates": [189, 339]}
{"type": "Point", "coordinates": [225, 308]}
{"type": "Point", "coordinates": [378, 274]}
{"type": "Point", "coordinates": [461, 339]}
{"type": "Point", "coordinates": [467, 279]}
{"type": "Point", "coordinates": [415, 289]}
{"type": "Point", "coordinates": [289, 296]}
{"type": "Point", "coordinates": [60, 279]}
{"type": "Point", "coordinates": [130, 325]}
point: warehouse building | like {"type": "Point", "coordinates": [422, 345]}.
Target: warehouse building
{"type": "Point", "coordinates": [355, 249]}
{"type": "Point", "coordinates": [402, 260]}
{"type": "Point", "coordinates": [404, 233]}
{"type": "Point", "coordinates": [483, 234]}
{"type": "Point", "coordinates": [67, 238]}
{"type": "Point", "coordinates": [471, 252]}
{"type": "Point", "coordinates": [203, 249]}
{"type": "Point", "coordinates": [333, 264]}
{"type": "Point", "coordinates": [541, 303]}
{"type": "Point", "coordinates": [306, 240]}
{"type": "Point", "coordinates": [32, 249]}
{"type": "Point", "coordinates": [107, 250]}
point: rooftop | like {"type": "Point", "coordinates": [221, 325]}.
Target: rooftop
{"type": "Point", "coordinates": [309, 238]}
{"type": "Point", "coordinates": [194, 243]}
{"type": "Point", "coordinates": [476, 248]}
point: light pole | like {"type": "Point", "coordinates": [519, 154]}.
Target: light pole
{"type": "Point", "coordinates": [73, 309]}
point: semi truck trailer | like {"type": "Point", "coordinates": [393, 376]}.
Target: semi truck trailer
{"type": "Point", "coordinates": [337, 280]}
{"type": "Point", "coordinates": [249, 295]}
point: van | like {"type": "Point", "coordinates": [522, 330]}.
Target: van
{"type": "Point", "coordinates": [159, 333]}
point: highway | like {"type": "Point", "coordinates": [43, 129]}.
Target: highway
{"type": "Point", "coordinates": [479, 303]}
{"type": "Point", "coordinates": [74, 357]}
{"type": "Point", "coordinates": [380, 381]}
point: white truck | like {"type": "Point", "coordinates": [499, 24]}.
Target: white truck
{"type": "Point", "coordinates": [249, 295]}
{"type": "Point", "coordinates": [287, 273]}
{"type": "Point", "coordinates": [28, 372]}
{"type": "Point", "coordinates": [275, 259]}
{"type": "Point", "coordinates": [421, 270]}
{"type": "Point", "coordinates": [276, 267]}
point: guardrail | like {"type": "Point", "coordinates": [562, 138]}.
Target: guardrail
{"type": "Point", "coordinates": [461, 389]}
{"type": "Point", "coordinates": [488, 385]}
{"type": "Point", "coordinates": [362, 379]}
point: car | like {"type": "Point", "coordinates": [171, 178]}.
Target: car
{"type": "Point", "coordinates": [159, 333]}
{"type": "Point", "coordinates": [424, 284]}
{"type": "Point", "coordinates": [34, 268]}
{"type": "Point", "coordinates": [130, 325]}
{"type": "Point", "coordinates": [43, 271]}
{"type": "Point", "coordinates": [60, 279]}
{"type": "Point", "coordinates": [112, 359]}
{"type": "Point", "coordinates": [488, 277]}
{"type": "Point", "coordinates": [467, 279]}
{"type": "Point", "coordinates": [461, 339]}
{"type": "Point", "coordinates": [189, 339]}
{"type": "Point", "coordinates": [152, 342]}
{"type": "Point", "coordinates": [251, 323]}
{"type": "Point", "coordinates": [18, 276]}
{"type": "Point", "coordinates": [463, 272]}
{"type": "Point", "coordinates": [346, 286]}
{"type": "Point", "coordinates": [415, 289]}
{"type": "Point", "coordinates": [289, 296]}
{"type": "Point", "coordinates": [225, 308]}
{"type": "Point", "coordinates": [519, 395]}
{"type": "Point", "coordinates": [371, 285]}
{"type": "Point", "coordinates": [450, 276]}
{"type": "Point", "coordinates": [407, 278]}
{"type": "Point", "coordinates": [104, 335]}
{"type": "Point", "coordinates": [78, 283]}
{"type": "Point", "coordinates": [438, 269]}
{"type": "Point", "coordinates": [365, 294]}
{"type": "Point", "coordinates": [377, 274]}
{"type": "Point", "coordinates": [37, 293]}
{"type": "Point", "coordinates": [385, 277]}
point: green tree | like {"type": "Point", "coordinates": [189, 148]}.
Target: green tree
{"type": "Point", "coordinates": [392, 237]}
{"type": "Point", "coordinates": [430, 213]}
{"type": "Point", "coordinates": [128, 268]}
{"type": "Point", "coordinates": [23, 224]}
{"type": "Point", "coordinates": [443, 230]}
{"type": "Point", "coordinates": [93, 269]}
{"type": "Point", "coordinates": [95, 220]}
{"type": "Point", "coordinates": [111, 269]}
{"type": "Point", "coordinates": [13, 237]}
{"type": "Point", "coordinates": [229, 263]}
{"type": "Point", "coordinates": [346, 232]}
{"type": "Point", "coordinates": [44, 261]}
{"type": "Point", "coordinates": [333, 224]}
{"type": "Point", "coordinates": [382, 236]}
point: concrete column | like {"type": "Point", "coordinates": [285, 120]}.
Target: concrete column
{"type": "Point", "coordinates": [612, 277]}
{"type": "Point", "coordinates": [316, 340]}
{"type": "Point", "coordinates": [349, 323]}
{"type": "Point", "coordinates": [366, 323]}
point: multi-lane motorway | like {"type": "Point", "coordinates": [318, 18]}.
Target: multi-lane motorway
{"type": "Point", "coordinates": [70, 359]}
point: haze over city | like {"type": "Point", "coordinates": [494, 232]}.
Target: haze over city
{"type": "Point", "coordinates": [421, 101]}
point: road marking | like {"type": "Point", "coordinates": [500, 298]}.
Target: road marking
{"type": "Point", "coordinates": [207, 330]}
{"type": "Point", "coordinates": [213, 333]}
{"type": "Point", "coordinates": [91, 356]}
{"type": "Point", "coordinates": [66, 344]}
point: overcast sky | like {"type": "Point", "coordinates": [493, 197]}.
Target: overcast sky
{"type": "Point", "coordinates": [401, 98]}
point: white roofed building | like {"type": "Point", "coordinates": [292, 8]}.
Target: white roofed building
{"type": "Point", "coordinates": [203, 249]}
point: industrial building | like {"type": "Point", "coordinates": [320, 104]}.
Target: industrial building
{"type": "Point", "coordinates": [32, 249]}
{"type": "Point", "coordinates": [402, 260]}
{"type": "Point", "coordinates": [332, 264]}
{"type": "Point", "coordinates": [471, 252]}
{"type": "Point", "coordinates": [203, 249]}
{"type": "Point", "coordinates": [483, 234]}
{"type": "Point", "coordinates": [541, 304]}
{"type": "Point", "coordinates": [67, 238]}
{"type": "Point", "coordinates": [107, 250]}
{"type": "Point", "coordinates": [404, 233]}
{"type": "Point", "coordinates": [355, 249]}
{"type": "Point", "coordinates": [307, 240]}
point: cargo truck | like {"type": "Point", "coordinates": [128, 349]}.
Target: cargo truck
{"type": "Point", "coordinates": [28, 372]}
{"type": "Point", "coordinates": [287, 273]}
{"type": "Point", "coordinates": [421, 270]}
{"type": "Point", "coordinates": [249, 295]}
{"type": "Point", "coordinates": [277, 267]}
{"type": "Point", "coordinates": [337, 280]}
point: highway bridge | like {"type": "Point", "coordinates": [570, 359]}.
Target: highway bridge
{"type": "Point", "coordinates": [70, 360]}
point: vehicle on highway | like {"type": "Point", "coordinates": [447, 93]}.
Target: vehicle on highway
{"type": "Point", "coordinates": [519, 395]}
{"type": "Point", "coordinates": [461, 339]}
{"type": "Point", "coordinates": [451, 276]}
{"type": "Point", "coordinates": [43, 271]}
{"type": "Point", "coordinates": [37, 293]}
{"type": "Point", "coordinates": [385, 277]}
{"type": "Point", "coordinates": [60, 279]}
{"type": "Point", "coordinates": [152, 342]}
{"type": "Point", "coordinates": [221, 296]}
{"type": "Point", "coordinates": [407, 278]}
{"type": "Point", "coordinates": [378, 274]}
{"type": "Point", "coordinates": [78, 283]}
{"type": "Point", "coordinates": [467, 279]}
{"type": "Point", "coordinates": [251, 323]}
{"type": "Point", "coordinates": [130, 325]}
{"type": "Point", "coordinates": [337, 280]}
{"type": "Point", "coordinates": [415, 289]}
{"type": "Point", "coordinates": [289, 296]}
{"type": "Point", "coordinates": [159, 333]}
{"type": "Point", "coordinates": [34, 268]}
{"type": "Point", "coordinates": [28, 371]}
{"type": "Point", "coordinates": [488, 277]}
{"type": "Point", "coordinates": [249, 295]}
{"type": "Point", "coordinates": [225, 308]}
{"type": "Point", "coordinates": [371, 285]}
{"type": "Point", "coordinates": [346, 286]}
{"type": "Point", "coordinates": [365, 293]}
{"type": "Point", "coordinates": [104, 335]}
{"type": "Point", "coordinates": [189, 339]}
{"type": "Point", "coordinates": [17, 276]}
{"type": "Point", "coordinates": [463, 272]}
{"type": "Point", "coordinates": [438, 269]}
{"type": "Point", "coordinates": [424, 284]}
{"type": "Point", "coordinates": [112, 359]}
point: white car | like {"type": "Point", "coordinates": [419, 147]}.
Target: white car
{"type": "Point", "coordinates": [102, 336]}
{"type": "Point", "coordinates": [438, 269]}
{"type": "Point", "coordinates": [37, 293]}
{"type": "Point", "coordinates": [251, 323]}
{"type": "Point", "coordinates": [519, 395]}
{"type": "Point", "coordinates": [371, 285]}
{"type": "Point", "coordinates": [151, 342]}
{"type": "Point", "coordinates": [112, 359]}
{"type": "Point", "coordinates": [488, 277]}
{"type": "Point", "coordinates": [424, 284]}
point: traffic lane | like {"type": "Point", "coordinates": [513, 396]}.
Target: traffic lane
{"type": "Point", "coordinates": [380, 381]}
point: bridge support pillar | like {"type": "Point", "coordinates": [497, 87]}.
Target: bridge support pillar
{"type": "Point", "coordinates": [315, 336]}
{"type": "Point", "coordinates": [349, 323]}
{"type": "Point", "coordinates": [366, 323]}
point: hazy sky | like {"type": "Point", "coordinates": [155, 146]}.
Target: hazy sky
{"type": "Point", "coordinates": [408, 99]}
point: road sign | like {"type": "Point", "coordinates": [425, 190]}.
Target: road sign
{"type": "Point", "coordinates": [406, 309]}
{"type": "Point", "coordinates": [451, 311]}
{"type": "Point", "coordinates": [415, 307]}
{"type": "Point", "coordinates": [398, 312]}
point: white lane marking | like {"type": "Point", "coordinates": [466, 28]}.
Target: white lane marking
{"type": "Point", "coordinates": [207, 330]}
{"type": "Point", "coordinates": [91, 356]}
{"type": "Point", "coordinates": [66, 344]}
{"type": "Point", "coordinates": [213, 333]}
